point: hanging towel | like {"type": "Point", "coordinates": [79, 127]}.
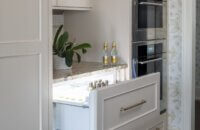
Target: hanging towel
{"type": "Point", "coordinates": [134, 69]}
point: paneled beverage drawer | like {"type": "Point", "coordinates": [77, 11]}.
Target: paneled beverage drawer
{"type": "Point", "coordinates": [128, 106]}
{"type": "Point", "coordinates": [120, 105]}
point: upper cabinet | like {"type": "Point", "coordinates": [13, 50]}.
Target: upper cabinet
{"type": "Point", "coordinates": [72, 4]}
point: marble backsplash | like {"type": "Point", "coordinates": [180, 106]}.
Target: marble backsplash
{"type": "Point", "coordinates": [174, 62]}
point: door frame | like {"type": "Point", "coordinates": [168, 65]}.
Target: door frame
{"type": "Point", "coordinates": [188, 63]}
{"type": "Point", "coordinates": [50, 56]}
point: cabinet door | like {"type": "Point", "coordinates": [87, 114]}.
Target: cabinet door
{"type": "Point", "coordinates": [74, 3]}
{"type": "Point", "coordinates": [69, 117]}
{"type": "Point", "coordinates": [54, 2]}
{"type": "Point", "coordinates": [24, 64]}
{"type": "Point", "coordinates": [120, 106]}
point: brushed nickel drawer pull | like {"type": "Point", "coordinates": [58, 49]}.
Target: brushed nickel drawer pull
{"type": "Point", "coordinates": [149, 61]}
{"type": "Point", "coordinates": [122, 109]}
{"type": "Point", "coordinates": [151, 4]}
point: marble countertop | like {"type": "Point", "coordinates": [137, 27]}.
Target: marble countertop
{"type": "Point", "coordinates": [84, 69]}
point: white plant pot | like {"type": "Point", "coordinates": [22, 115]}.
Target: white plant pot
{"type": "Point", "coordinates": [59, 63]}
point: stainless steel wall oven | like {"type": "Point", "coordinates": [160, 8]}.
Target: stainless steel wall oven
{"type": "Point", "coordinates": [149, 20]}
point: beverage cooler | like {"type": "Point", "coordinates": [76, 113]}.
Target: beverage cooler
{"type": "Point", "coordinates": [118, 106]}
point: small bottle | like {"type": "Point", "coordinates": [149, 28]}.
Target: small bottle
{"type": "Point", "coordinates": [105, 54]}
{"type": "Point", "coordinates": [114, 57]}
{"type": "Point", "coordinates": [91, 86]}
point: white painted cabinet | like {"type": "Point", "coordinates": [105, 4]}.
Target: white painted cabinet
{"type": "Point", "coordinates": [127, 105]}
{"type": "Point", "coordinates": [54, 3]}
{"type": "Point", "coordinates": [72, 4]}
{"type": "Point", "coordinates": [69, 117]}
{"type": "Point", "coordinates": [24, 65]}
{"type": "Point", "coordinates": [71, 104]}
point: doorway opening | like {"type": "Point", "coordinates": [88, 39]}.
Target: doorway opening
{"type": "Point", "coordinates": [197, 80]}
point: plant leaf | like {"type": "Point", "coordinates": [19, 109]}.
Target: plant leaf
{"type": "Point", "coordinates": [81, 46]}
{"type": "Point", "coordinates": [69, 58]}
{"type": "Point", "coordinates": [78, 57]}
{"type": "Point", "coordinates": [56, 38]}
{"type": "Point", "coordinates": [62, 41]}
{"type": "Point", "coordinates": [62, 53]}
{"type": "Point", "coordinates": [84, 51]}
{"type": "Point", "coordinates": [69, 46]}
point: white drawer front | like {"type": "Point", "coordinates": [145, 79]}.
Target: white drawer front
{"type": "Point", "coordinates": [74, 3]}
{"type": "Point", "coordinates": [128, 106]}
{"type": "Point", "coordinates": [121, 105]}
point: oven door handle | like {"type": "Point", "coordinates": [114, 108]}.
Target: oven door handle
{"type": "Point", "coordinates": [149, 61]}
{"type": "Point", "coordinates": [151, 4]}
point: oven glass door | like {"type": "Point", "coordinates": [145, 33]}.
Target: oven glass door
{"type": "Point", "coordinates": [150, 14]}
{"type": "Point", "coordinates": [150, 57]}
{"type": "Point", "coordinates": [149, 20]}
{"type": "Point", "coordinates": [153, 66]}
{"type": "Point", "coordinates": [149, 66]}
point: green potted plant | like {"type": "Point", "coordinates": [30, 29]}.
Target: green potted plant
{"type": "Point", "coordinates": [64, 50]}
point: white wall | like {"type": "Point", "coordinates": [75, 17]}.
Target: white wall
{"type": "Point", "coordinates": [58, 20]}
{"type": "Point", "coordinates": [109, 20]}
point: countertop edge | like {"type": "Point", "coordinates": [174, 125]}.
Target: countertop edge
{"type": "Point", "coordinates": [89, 73]}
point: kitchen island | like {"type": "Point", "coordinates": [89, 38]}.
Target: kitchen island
{"type": "Point", "coordinates": [71, 92]}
